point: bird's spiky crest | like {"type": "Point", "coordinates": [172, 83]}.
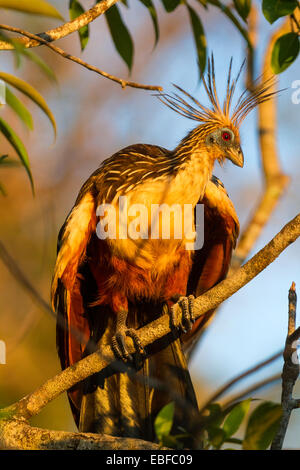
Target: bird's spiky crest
{"type": "Point", "coordinates": [217, 114]}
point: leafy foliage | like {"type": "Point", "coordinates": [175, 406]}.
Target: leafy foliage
{"type": "Point", "coordinates": [274, 9]}
{"type": "Point", "coordinates": [243, 8]}
{"type": "Point", "coordinates": [120, 35]}
{"type": "Point", "coordinates": [221, 425]}
{"type": "Point", "coordinates": [36, 7]}
{"type": "Point", "coordinates": [285, 51]}
{"type": "Point", "coordinates": [262, 426]}
{"type": "Point", "coordinates": [199, 37]}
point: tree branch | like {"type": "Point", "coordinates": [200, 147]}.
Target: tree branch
{"type": "Point", "coordinates": [65, 29]}
{"type": "Point", "coordinates": [290, 372]}
{"type": "Point", "coordinates": [240, 377]}
{"type": "Point", "coordinates": [34, 402]}
{"type": "Point", "coordinates": [18, 435]}
{"type": "Point", "coordinates": [77, 60]}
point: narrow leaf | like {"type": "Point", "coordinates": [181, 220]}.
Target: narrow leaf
{"type": "Point", "coordinates": [235, 417]}
{"type": "Point", "coordinates": [18, 145]}
{"type": "Point", "coordinates": [120, 35]}
{"type": "Point", "coordinates": [285, 51]}
{"type": "Point", "coordinates": [164, 421]}
{"type": "Point", "coordinates": [199, 37]}
{"type": "Point", "coordinates": [37, 7]}
{"type": "Point", "coordinates": [19, 108]}
{"type": "Point", "coordinates": [243, 7]}
{"type": "Point", "coordinates": [262, 426]}
{"type": "Point", "coordinates": [31, 92]}
{"type": "Point", "coordinates": [274, 9]}
{"type": "Point", "coordinates": [76, 9]}
{"type": "Point", "coordinates": [170, 5]}
{"type": "Point", "coordinates": [151, 8]}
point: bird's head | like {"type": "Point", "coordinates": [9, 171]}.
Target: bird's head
{"type": "Point", "coordinates": [218, 132]}
{"type": "Point", "coordinates": [224, 142]}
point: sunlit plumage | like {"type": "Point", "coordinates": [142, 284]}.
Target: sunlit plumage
{"type": "Point", "coordinates": [107, 289]}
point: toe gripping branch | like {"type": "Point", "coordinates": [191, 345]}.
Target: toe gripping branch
{"type": "Point", "coordinates": [119, 340]}
{"type": "Point", "coordinates": [188, 316]}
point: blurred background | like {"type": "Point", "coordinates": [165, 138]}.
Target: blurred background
{"type": "Point", "coordinates": [95, 118]}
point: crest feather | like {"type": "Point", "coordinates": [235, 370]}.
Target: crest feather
{"type": "Point", "coordinates": [192, 109]}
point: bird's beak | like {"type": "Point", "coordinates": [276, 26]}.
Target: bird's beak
{"type": "Point", "coordinates": [235, 154]}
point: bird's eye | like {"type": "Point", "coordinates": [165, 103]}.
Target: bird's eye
{"type": "Point", "coordinates": [226, 136]}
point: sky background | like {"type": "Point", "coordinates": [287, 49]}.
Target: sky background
{"type": "Point", "coordinates": [95, 118]}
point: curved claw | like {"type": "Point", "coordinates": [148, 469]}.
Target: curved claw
{"type": "Point", "coordinates": [119, 344]}
{"type": "Point", "coordinates": [188, 317]}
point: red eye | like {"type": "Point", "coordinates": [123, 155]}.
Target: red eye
{"type": "Point", "coordinates": [226, 136]}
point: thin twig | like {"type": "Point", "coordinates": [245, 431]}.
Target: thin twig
{"type": "Point", "coordinates": [290, 372]}
{"type": "Point", "coordinates": [253, 388]}
{"type": "Point", "coordinates": [240, 377]}
{"type": "Point", "coordinates": [65, 29]}
{"type": "Point", "coordinates": [75, 59]}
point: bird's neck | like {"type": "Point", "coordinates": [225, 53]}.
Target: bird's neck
{"type": "Point", "coordinates": [195, 166]}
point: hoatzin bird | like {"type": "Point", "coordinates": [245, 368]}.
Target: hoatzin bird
{"type": "Point", "coordinates": [107, 288]}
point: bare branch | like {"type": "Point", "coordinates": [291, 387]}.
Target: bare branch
{"type": "Point", "coordinates": [34, 402]}
{"type": "Point", "coordinates": [290, 372]}
{"type": "Point", "coordinates": [65, 29]}
{"type": "Point", "coordinates": [253, 388]}
{"type": "Point", "coordinates": [238, 378]}
{"type": "Point", "coordinates": [18, 435]}
{"type": "Point", "coordinates": [61, 52]}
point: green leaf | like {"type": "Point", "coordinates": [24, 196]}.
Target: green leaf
{"type": "Point", "coordinates": [40, 63]}
{"type": "Point", "coordinates": [243, 7]}
{"type": "Point", "coordinates": [36, 7]}
{"type": "Point", "coordinates": [274, 9]}
{"type": "Point", "coordinates": [19, 108]}
{"type": "Point", "coordinates": [215, 414]}
{"type": "Point", "coordinates": [18, 145]}
{"type": "Point", "coordinates": [228, 12]}
{"type": "Point", "coordinates": [216, 436]}
{"type": "Point", "coordinates": [164, 421]}
{"type": "Point", "coordinates": [31, 92]}
{"type": "Point", "coordinates": [235, 417]}
{"type": "Point", "coordinates": [170, 5]}
{"type": "Point", "coordinates": [149, 4]}
{"type": "Point", "coordinates": [199, 37]}
{"type": "Point", "coordinates": [285, 51]}
{"type": "Point", "coordinates": [262, 426]}
{"type": "Point", "coordinates": [76, 9]}
{"type": "Point", "coordinates": [171, 442]}
{"type": "Point", "coordinates": [120, 35]}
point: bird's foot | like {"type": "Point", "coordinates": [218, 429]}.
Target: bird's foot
{"type": "Point", "coordinates": [119, 340]}
{"type": "Point", "coordinates": [188, 317]}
